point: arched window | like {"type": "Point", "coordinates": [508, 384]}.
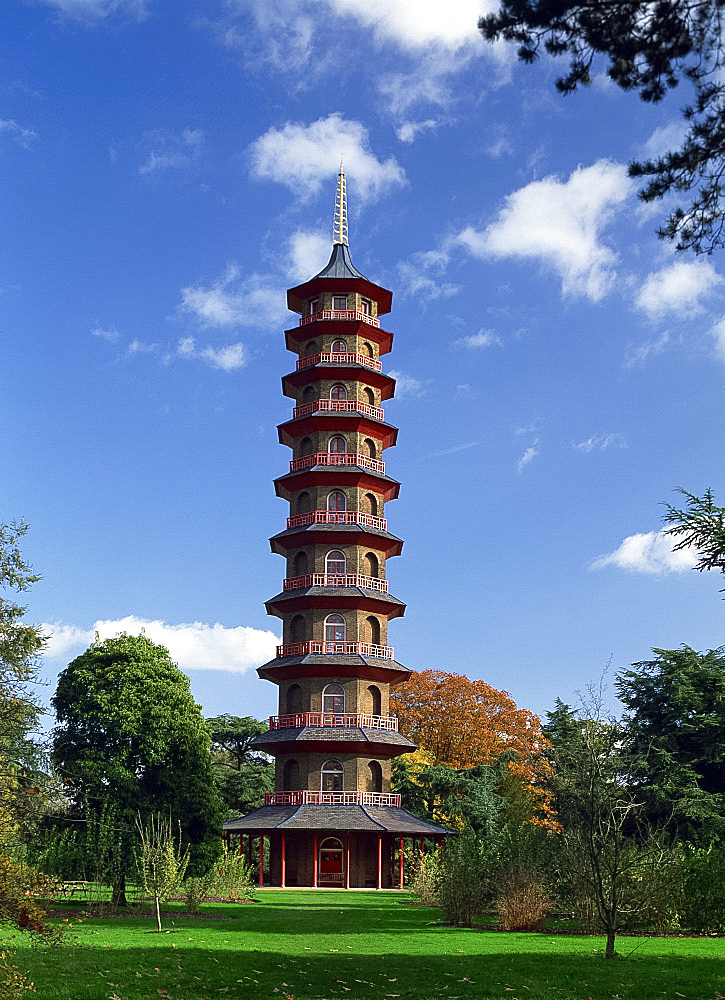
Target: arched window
{"type": "Point", "coordinates": [310, 347]}
{"type": "Point", "coordinates": [375, 780]}
{"type": "Point", "coordinates": [369, 396]}
{"type": "Point", "coordinates": [333, 700]}
{"type": "Point", "coordinates": [304, 503]}
{"type": "Point", "coordinates": [371, 503]}
{"type": "Point", "coordinates": [372, 566]}
{"type": "Point", "coordinates": [306, 447]}
{"type": "Point", "coordinates": [331, 776]}
{"type": "Point", "coordinates": [370, 448]}
{"type": "Point", "coordinates": [308, 393]}
{"type": "Point", "coordinates": [372, 630]}
{"type": "Point", "coordinates": [335, 628]}
{"type": "Point", "coordinates": [338, 445]}
{"type": "Point", "coordinates": [338, 391]}
{"type": "Point", "coordinates": [369, 349]}
{"type": "Point", "coordinates": [291, 776]}
{"type": "Point", "coordinates": [297, 631]}
{"type": "Point", "coordinates": [294, 701]}
{"type": "Point", "coordinates": [336, 504]}
{"type": "Point", "coordinates": [300, 564]}
{"type": "Point", "coordinates": [376, 699]}
{"type": "Point", "coordinates": [335, 562]}
{"type": "Point", "coordinates": [339, 347]}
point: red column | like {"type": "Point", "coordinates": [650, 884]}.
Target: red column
{"type": "Point", "coordinates": [284, 862]}
{"type": "Point", "coordinates": [347, 861]}
{"type": "Point", "coordinates": [422, 846]}
{"type": "Point", "coordinates": [400, 864]}
{"type": "Point", "coordinates": [380, 861]}
{"type": "Point", "coordinates": [315, 859]}
{"type": "Point", "coordinates": [249, 850]}
{"type": "Point", "coordinates": [261, 859]}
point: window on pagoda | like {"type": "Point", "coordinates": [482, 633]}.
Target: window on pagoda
{"type": "Point", "coordinates": [338, 445]}
{"type": "Point", "coordinates": [339, 347]}
{"type": "Point", "coordinates": [300, 564]}
{"type": "Point", "coordinates": [372, 634]}
{"type": "Point", "coordinates": [372, 566]}
{"type": "Point", "coordinates": [314, 306]}
{"type": "Point", "coordinates": [335, 628]}
{"type": "Point", "coordinates": [375, 779]}
{"type": "Point", "coordinates": [336, 504]}
{"type": "Point", "coordinates": [335, 563]}
{"type": "Point", "coordinates": [369, 396]}
{"type": "Point", "coordinates": [339, 301]}
{"type": "Point", "coordinates": [370, 448]}
{"type": "Point", "coordinates": [333, 700]}
{"type": "Point", "coordinates": [338, 391]}
{"type": "Point", "coordinates": [366, 306]}
{"type": "Point", "coordinates": [332, 776]}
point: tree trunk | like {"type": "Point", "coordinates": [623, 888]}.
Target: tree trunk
{"type": "Point", "coordinates": [118, 897]}
{"type": "Point", "coordinates": [609, 952]}
{"type": "Point", "coordinates": [158, 915]}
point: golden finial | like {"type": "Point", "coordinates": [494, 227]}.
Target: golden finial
{"type": "Point", "coordinates": [339, 224]}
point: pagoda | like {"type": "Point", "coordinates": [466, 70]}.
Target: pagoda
{"type": "Point", "coordinates": [332, 820]}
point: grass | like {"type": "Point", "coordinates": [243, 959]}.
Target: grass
{"type": "Point", "coordinates": [328, 944]}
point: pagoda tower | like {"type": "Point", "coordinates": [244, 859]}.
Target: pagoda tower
{"type": "Point", "coordinates": [332, 820]}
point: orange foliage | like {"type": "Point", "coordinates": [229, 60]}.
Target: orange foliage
{"type": "Point", "coordinates": [463, 723]}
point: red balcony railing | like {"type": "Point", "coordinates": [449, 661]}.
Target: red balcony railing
{"type": "Point", "coordinates": [339, 406]}
{"type": "Point", "coordinates": [347, 314]}
{"type": "Point", "coordinates": [335, 458]}
{"type": "Point", "coordinates": [331, 799]}
{"type": "Point", "coordinates": [337, 648]}
{"type": "Point", "coordinates": [326, 720]}
{"type": "Point", "coordinates": [336, 580]}
{"type": "Point", "coordinates": [345, 357]}
{"type": "Point", "coordinates": [337, 517]}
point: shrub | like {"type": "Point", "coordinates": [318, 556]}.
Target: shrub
{"type": "Point", "coordinates": [427, 878]}
{"type": "Point", "coordinates": [231, 877]}
{"type": "Point", "coordinates": [522, 903]}
{"type": "Point", "coordinates": [701, 896]}
{"type": "Point", "coordinates": [464, 886]}
{"type": "Point", "coordinates": [197, 888]}
{"type": "Point", "coordinates": [12, 982]}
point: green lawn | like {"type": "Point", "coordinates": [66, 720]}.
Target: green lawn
{"type": "Point", "coordinates": [334, 944]}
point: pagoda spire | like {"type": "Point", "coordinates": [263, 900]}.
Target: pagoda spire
{"type": "Point", "coordinates": [339, 224]}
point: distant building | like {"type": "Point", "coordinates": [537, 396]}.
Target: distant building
{"type": "Point", "coordinates": [332, 820]}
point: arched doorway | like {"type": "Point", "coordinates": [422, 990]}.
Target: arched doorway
{"type": "Point", "coordinates": [332, 862]}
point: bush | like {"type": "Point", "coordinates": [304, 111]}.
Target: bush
{"type": "Point", "coordinates": [13, 983]}
{"type": "Point", "coordinates": [701, 896]}
{"type": "Point", "coordinates": [231, 877]}
{"type": "Point", "coordinates": [197, 888]}
{"type": "Point", "coordinates": [522, 903]}
{"type": "Point", "coordinates": [427, 878]}
{"type": "Point", "coordinates": [465, 886]}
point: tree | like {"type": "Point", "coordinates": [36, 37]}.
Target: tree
{"type": "Point", "coordinates": [464, 723]}
{"type": "Point", "coordinates": [675, 726]}
{"type": "Point", "coordinates": [650, 48]}
{"type": "Point", "coordinates": [161, 860]}
{"type": "Point", "coordinates": [130, 734]}
{"type": "Point", "coordinates": [241, 773]}
{"type": "Point", "coordinates": [700, 526]}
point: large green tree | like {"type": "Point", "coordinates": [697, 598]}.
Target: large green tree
{"type": "Point", "coordinates": [129, 734]}
{"type": "Point", "coordinates": [649, 47]}
{"type": "Point", "coordinates": [699, 525]}
{"type": "Point", "coordinates": [675, 725]}
{"type": "Point", "coordinates": [242, 774]}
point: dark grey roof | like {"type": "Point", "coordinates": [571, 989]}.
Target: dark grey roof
{"type": "Point", "coordinates": [319, 526]}
{"type": "Point", "coordinates": [290, 595]}
{"type": "Point", "coordinates": [331, 660]}
{"type": "Point", "coordinates": [339, 265]}
{"type": "Point", "coordinates": [309, 817]}
{"type": "Point", "coordinates": [350, 734]}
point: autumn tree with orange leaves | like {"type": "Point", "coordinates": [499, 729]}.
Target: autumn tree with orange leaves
{"type": "Point", "coordinates": [465, 723]}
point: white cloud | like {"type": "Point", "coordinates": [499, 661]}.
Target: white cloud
{"type": "Point", "coordinates": [193, 646]}
{"type": "Point", "coordinates": [304, 156]}
{"type": "Point", "coordinates": [600, 442]}
{"type": "Point", "coordinates": [639, 353]}
{"type": "Point", "coordinates": [229, 358]}
{"type": "Point", "coordinates": [233, 300]}
{"type": "Point", "coordinates": [560, 224]}
{"type": "Point", "coordinates": [137, 346]}
{"type": "Point", "coordinates": [408, 385]}
{"type": "Point", "coordinates": [456, 448]}
{"type": "Point", "coordinates": [718, 335]}
{"type": "Point", "coordinates": [21, 134]}
{"type": "Point", "coordinates": [678, 288]}
{"type": "Point", "coordinates": [171, 151]}
{"type": "Point", "coordinates": [408, 131]}
{"type": "Point", "coordinates": [647, 552]}
{"type": "Point", "coordinates": [664, 139]}
{"type": "Point", "coordinates": [91, 11]}
{"type": "Point", "coordinates": [527, 457]}
{"type": "Point", "coordinates": [484, 338]}
{"type": "Point", "coordinates": [419, 24]}
{"type": "Point", "coordinates": [111, 335]}
{"type": "Point", "coordinates": [309, 251]}
{"type": "Point", "coordinates": [420, 277]}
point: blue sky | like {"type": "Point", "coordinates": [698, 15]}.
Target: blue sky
{"type": "Point", "coordinates": [168, 170]}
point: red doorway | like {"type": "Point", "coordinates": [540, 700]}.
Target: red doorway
{"type": "Point", "coordinates": [332, 866]}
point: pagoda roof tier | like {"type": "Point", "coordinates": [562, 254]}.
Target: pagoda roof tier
{"type": "Point", "coordinates": [350, 421]}
{"type": "Point", "coordinates": [343, 370]}
{"type": "Point", "coordinates": [373, 668]}
{"type": "Point", "coordinates": [318, 739]}
{"type": "Point", "coordinates": [376, 819]}
{"type": "Point", "coordinates": [339, 272]}
{"type": "Point", "coordinates": [332, 598]}
{"type": "Point", "coordinates": [338, 329]}
{"type": "Point", "coordinates": [334, 476]}
{"type": "Point", "coordinates": [336, 534]}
